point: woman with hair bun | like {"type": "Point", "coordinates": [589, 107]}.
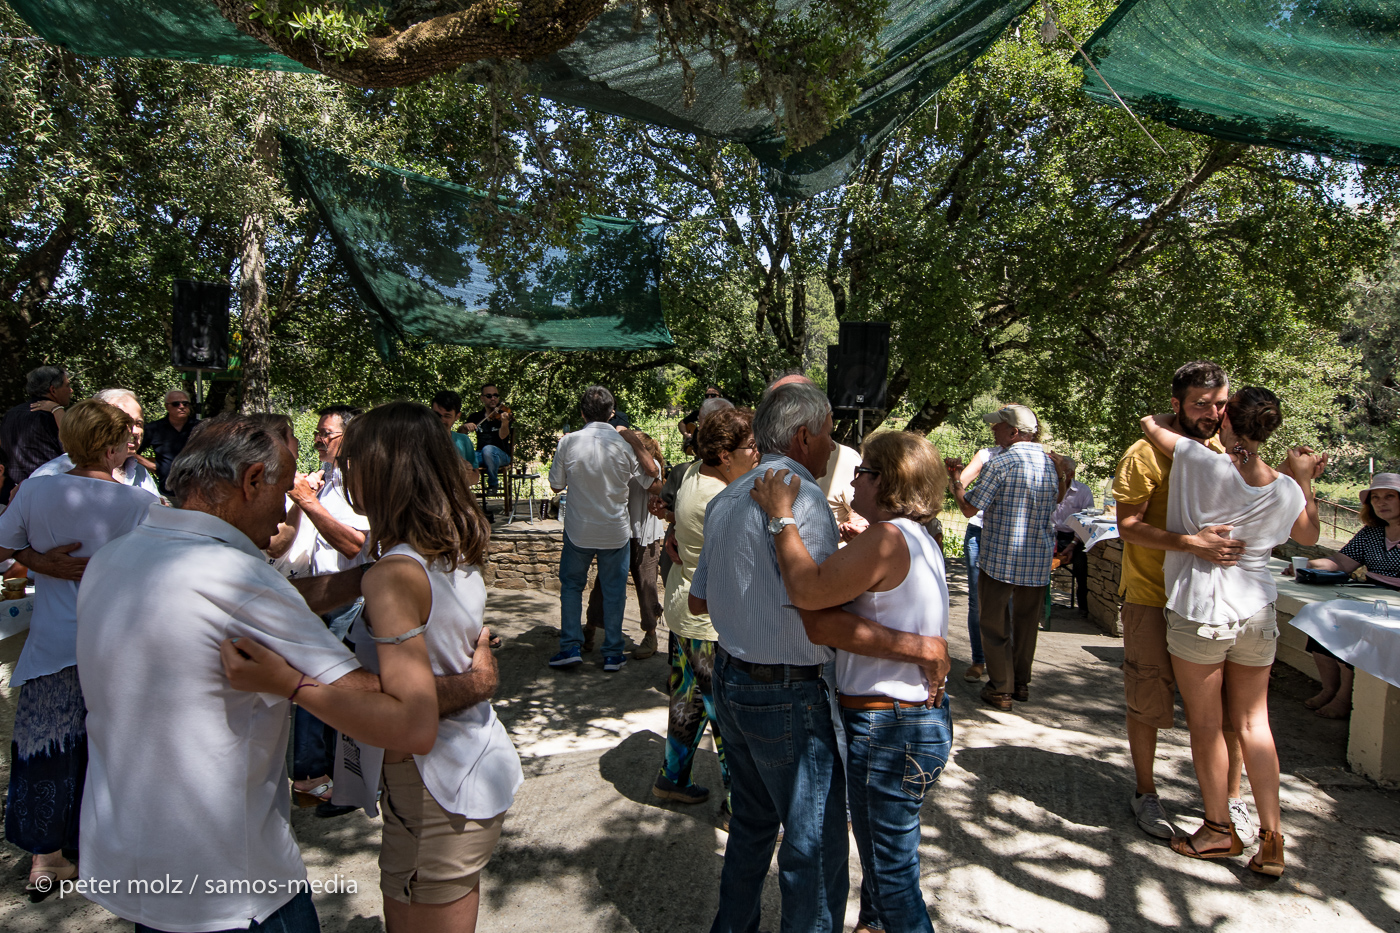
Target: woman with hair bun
{"type": "Point", "coordinates": [1221, 627]}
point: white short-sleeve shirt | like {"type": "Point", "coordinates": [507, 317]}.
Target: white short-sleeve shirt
{"type": "Point", "coordinates": [325, 558]}
{"type": "Point", "coordinates": [186, 776]}
{"type": "Point", "coordinates": [49, 512]}
{"type": "Point", "coordinates": [596, 466]}
{"type": "Point", "coordinates": [132, 473]}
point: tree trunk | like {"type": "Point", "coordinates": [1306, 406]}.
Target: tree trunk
{"type": "Point", "coordinates": [22, 295]}
{"type": "Point", "coordinates": [256, 390]}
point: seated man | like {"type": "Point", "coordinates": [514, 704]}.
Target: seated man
{"type": "Point", "coordinates": [492, 426]}
{"type": "Point", "coordinates": [447, 405]}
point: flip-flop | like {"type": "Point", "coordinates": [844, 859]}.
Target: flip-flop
{"type": "Point", "coordinates": [495, 643]}
{"type": "Point", "coordinates": [319, 794]}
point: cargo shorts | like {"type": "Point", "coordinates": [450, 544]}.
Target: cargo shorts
{"type": "Point", "coordinates": [1149, 684]}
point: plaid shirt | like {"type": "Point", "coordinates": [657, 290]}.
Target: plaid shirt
{"type": "Point", "coordinates": [1016, 492]}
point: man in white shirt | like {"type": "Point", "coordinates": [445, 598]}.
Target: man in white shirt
{"type": "Point", "coordinates": [340, 541]}
{"type": "Point", "coordinates": [596, 463]}
{"type": "Point", "coordinates": [185, 774]}
{"type": "Point", "coordinates": [1068, 547]}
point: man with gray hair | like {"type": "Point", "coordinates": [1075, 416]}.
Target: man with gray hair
{"type": "Point", "coordinates": [186, 782]}
{"type": "Point", "coordinates": [29, 432]}
{"type": "Point", "coordinates": [132, 472]}
{"type": "Point", "coordinates": [596, 464]}
{"type": "Point", "coordinates": [167, 436]}
{"type": "Point", "coordinates": [772, 696]}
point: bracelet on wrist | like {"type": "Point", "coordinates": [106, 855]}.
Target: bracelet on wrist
{"type": "Point", "coordinates": [303, 681]}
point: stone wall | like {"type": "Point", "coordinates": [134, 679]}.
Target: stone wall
{"type": "Point", "coordinates": [1105, 571]}
{"type": "Point", "coordinates": [526, 557]}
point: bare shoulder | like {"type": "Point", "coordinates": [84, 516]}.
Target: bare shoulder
{"type": "Point", "coordinates": [881, 538]}
{"type": "Point", "coordinates": [394, 572]}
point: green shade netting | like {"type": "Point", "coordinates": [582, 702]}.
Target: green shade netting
{"type": "Point", "coordinates": [1318, 76]}
{"type": "Point", "coordinates": [610, 68]}
{"type": "Point", "coordinates": [409, 242]}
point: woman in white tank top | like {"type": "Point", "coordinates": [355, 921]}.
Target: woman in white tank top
{"type": "Point", "coordinates": [424, 602]}
{"type": "Point", "coordinates": [895, 713]}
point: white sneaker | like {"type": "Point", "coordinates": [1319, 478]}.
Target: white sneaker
{"type": "Point", "coordinates": [1239, 818]}
{"type": "Point", "coordinates": [1151, 817]}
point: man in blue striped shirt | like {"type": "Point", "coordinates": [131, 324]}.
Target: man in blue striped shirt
{"type": "Point", "coordinates": [772, 702]}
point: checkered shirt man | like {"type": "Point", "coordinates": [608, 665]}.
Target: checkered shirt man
{"type": "Point", "coordinates": [1016, 492]}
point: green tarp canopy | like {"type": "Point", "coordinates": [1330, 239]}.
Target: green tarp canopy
{"type": "Point", "coordinates": [610, 68]}
{"type": "Point", "coordinates": [1318, 76]}
{"type": "Point", "coordinates": [409, 242]}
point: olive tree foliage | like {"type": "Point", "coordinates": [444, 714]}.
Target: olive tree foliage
{"type": "Point", "coordinates": [801, 62]}
{"type": "Point", "coordinates": [1368, 422]}
{"type": "Point", "coordinates": [1026, 241]}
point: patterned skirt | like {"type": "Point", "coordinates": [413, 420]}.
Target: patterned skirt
{"type": "Point", "coordinates": [48, 759]}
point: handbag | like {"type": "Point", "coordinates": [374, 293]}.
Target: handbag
{"type": "Point", "coordinates": [1322, 577]}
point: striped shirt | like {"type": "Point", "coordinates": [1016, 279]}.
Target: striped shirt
{"type": "Point", "coordinates": [1017, 491]}
{"type": "Point", "coordinates": [738, 572]}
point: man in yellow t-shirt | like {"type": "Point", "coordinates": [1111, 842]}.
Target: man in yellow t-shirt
{"type": "Point", "coordinates": [1199, 392]}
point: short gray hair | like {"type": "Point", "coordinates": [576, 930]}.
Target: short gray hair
{"type": "Point", "coordinates": [710, 406]}
{"type": "Point", "coordinates": [219, 452]}
{"type": "Point", "coordinates": [113, 396]}
{"type": "Point", "coordinates": [597, 404]}
{"type": "Point", "coordinates": [786, 409]}
{"type": "Point", "coordinates": [41, 380]}
{"type": "Point", "coordinates": [175, 391]}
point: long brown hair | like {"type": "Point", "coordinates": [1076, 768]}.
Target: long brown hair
{"type": "Point", "coordinates": [404, 474]}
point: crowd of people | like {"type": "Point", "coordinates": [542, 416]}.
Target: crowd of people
{"type": "Point", "coordinates": [184, 601]}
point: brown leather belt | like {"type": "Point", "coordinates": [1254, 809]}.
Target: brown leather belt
{"type": "Point", "coordinates": [879, 702]}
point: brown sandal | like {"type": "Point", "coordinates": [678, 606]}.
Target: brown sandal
{"type": "Point", "coordinates": [1186, 845]}
{"type": "Point", "coordinates": [1270, 854]}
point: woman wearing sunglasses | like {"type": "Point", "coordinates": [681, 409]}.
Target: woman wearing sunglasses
{"type": "Point", "coordinates": [895, 713]}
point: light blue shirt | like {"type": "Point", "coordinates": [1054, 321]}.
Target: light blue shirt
{"type": "Point", "coordinates": [738, 575]}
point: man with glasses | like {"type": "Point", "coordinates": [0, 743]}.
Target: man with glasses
{"type": "Point", "coordinates": [492, 427]}
{"type": "Point", "coordinates": [168, 436]}
{"type": "Point", "coordinates": [340, 542]}
{"type": "Point", "coordinates": [691, 422]}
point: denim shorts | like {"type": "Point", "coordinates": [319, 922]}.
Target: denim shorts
{"type": "Point", "coordinates": [1251, 642]}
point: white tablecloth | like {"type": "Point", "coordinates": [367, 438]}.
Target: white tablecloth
{"type": "Point", "coordinates": [1093, 527]}
{"type": "Point", "coordinates": [1355, 632]}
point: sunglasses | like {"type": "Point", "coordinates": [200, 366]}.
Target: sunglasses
{"type": "Point", "coordinates": [490, 395]}
{"type": "Point", "coordinates": [711, 395]}
{"type": "Point", "coordinates": [177, 404]}
{"type": "Point", "coordinates": [868, 470]}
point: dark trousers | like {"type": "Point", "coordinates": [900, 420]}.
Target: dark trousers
{"type": "Point", "coordinates": [1078, 565]}
{"type": "Point", "coordinates": [644, 561]}
{"type": "Point", "coordinates": [1010, 622]}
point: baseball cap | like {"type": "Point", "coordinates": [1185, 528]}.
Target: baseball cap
{"type": "Point", "coordinates": [1018, 416]}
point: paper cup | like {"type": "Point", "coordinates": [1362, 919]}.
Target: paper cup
{"type": "Point", "coordinates": [1299, 563]}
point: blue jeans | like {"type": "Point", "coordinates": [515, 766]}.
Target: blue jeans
{"type": "Point", "coordinates": [780, 745]}
{"type": "Point", "coordinates": [492, 459]}
{"type": "Point", "coordinates": [895, 756]}
{"type": "Point", "coordinates": [613, 567]}
{"type": "Point", "coordinates": [972, 545]}
{"type": "Point", "coordinates": [296, 916]}
{"type": "Point", "coordinates": [313, 742]}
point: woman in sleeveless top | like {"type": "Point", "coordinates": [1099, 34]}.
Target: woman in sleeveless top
{"type": "Point", "coordinates": [424, 602]}
{"type": "Point", "coordinates": [1221, 627]}
{"type": "Point", "coordinates": [895, 713]}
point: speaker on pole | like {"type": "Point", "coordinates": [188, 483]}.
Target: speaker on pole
{"type": "Point", "coordinates": [199, 325]}
{"type": "Point", "coordinates": [858, 375]}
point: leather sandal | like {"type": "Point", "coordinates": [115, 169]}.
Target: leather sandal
{"type": "Point", "coordinates": [44, 881]}
{"type": "Point", "coordinates": [1269, 859]}
{"type": "Point", "coordinates": [1186, 845]}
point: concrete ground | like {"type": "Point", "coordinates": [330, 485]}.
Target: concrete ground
{"type": "Point", "coordinates": [1028, 828]}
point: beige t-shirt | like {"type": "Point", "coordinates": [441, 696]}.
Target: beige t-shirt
{"type": "Point", "coordinates": [695, 493]}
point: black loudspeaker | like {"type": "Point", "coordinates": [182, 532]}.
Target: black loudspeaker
{"type": "Point", "coordinates": [199, 325]}
{"type": "Point", "coordinates": [858, 377]}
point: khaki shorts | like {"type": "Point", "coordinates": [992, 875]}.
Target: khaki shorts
{"type": "Point", "coordinates": [1148, 681]}
{"type": "Point", "coordinates": [428, 856]}
{"type": "Point", "coordinates": [1251, 643]}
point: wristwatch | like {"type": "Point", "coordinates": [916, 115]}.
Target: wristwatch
{"type": "Point", "coordinates": [776, 525]}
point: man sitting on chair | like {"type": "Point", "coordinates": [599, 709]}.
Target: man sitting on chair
{"type": "Point", "coordinates": [494, 440]}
